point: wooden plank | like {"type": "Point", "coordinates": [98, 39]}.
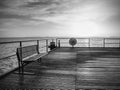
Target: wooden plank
{"type": "Point", "coordinates": [83, 72]}
{"type": "Point", "coordinates": [27, 54]}
{"type": "Point", "coordinates": [28, 48]}
{"type": "Point", "coordinates": [27, 51]}
{"type": "Point", "coordinates": [35, 57]}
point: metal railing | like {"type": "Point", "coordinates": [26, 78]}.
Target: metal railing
{"type": "Point", "coordinates": [91, 42]}
{"type": "Point", "coordinates": [8, 58]}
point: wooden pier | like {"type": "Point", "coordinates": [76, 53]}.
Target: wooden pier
{"type": "Point", "coordinates": [70, 69]}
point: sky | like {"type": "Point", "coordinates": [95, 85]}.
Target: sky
{"type": "Point", "coordinates": [59, 18]}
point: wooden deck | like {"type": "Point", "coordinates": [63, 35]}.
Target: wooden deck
{"type": "Point", "coordinates": [70, 69]}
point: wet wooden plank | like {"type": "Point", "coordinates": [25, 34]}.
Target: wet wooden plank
{"type": "Point", "coordinates": [70, 69]}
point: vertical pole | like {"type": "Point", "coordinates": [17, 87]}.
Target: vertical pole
{"type": "Point", "coordinates": [119, 42]}
{"type": "Point", "coordinates": [19, 60]}
{"type": "Point", "coordinates": [38, 46]}
{"type": "Point", "coordinates": [104, 42]}
{"type": "Point", "coordinates": [56, 42]}
{"type": "Point", "coordinates": [59, 43]}
{"type": "Point", "coordinates": [47, 46]}
{"type": "Point", "coordinates": [89, 43]}
{"type": "Point", "coordinates": [20, 49]}
{"type": "Point", "coordinates": [21, 63]}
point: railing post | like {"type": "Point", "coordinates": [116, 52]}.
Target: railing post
{"type": "Point", "coordinates": [119, 42]}
{"type": "Point", "coordinates": [59, 43]}
{"type": "Point", "coordinates": [38, 46]}
{"type": "Point", "coordinates": [20, 62]}
{"type": "Point", "coordinates": [89, 42]}
{"type": "Point", "coordinates": [47, 46]}
{"type": "Point", "coordinates": [104, 42]}
{"type": "Point", "coordinates": [56, 42]}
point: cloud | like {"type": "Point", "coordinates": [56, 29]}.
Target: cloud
{"type": "Point", "coordinates": [115, 3]}
{"type": "Point", "coordinates": [112, 21]}
{"type": "Point", "coordinates": [3, 4]}
{"type": "Point", "coordinates": [5, 15]}
{"type": "Point", "coordinates": [6, 18]}
{"type": "Point", "coordinates": [33, 3]}
{"type": "Point", "coordinates": [58, 13]}
{"type": "Point", "coordinates": [111, 13]}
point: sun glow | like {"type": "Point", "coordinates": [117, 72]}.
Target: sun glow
{"type": "Point", "coordinates": [83, 27]}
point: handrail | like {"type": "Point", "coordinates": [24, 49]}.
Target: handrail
{"type": "Point", "coordinates": [57, 41]}
{"type": "Point", "coordinates": [90, 40]}
{"type": "Point", "coordinates": [23, 41]}
{"type": "Point", "coordinates": [59, 38]}
{"type": "Point", "coordinates": [7, 42]}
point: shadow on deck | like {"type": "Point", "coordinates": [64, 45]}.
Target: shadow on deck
{"type": "Point", "coordinates": [70, 69]}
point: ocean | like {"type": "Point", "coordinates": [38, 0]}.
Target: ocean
{"type": "Point", "coordinates": [8, 59]}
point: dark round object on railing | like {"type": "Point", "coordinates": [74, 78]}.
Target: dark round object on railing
{"type": "Point", "coordinates": [72, 41]}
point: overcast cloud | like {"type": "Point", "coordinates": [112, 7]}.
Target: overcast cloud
{"type": "Point", "coordinates": [59, 18]}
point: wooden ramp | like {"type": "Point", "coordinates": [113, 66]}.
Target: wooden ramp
{"type": "Point", "coordinates": [70, 69]}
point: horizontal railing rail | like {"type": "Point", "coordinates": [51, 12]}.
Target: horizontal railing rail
{"type": "Point", "coordinates": [7, 42]}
